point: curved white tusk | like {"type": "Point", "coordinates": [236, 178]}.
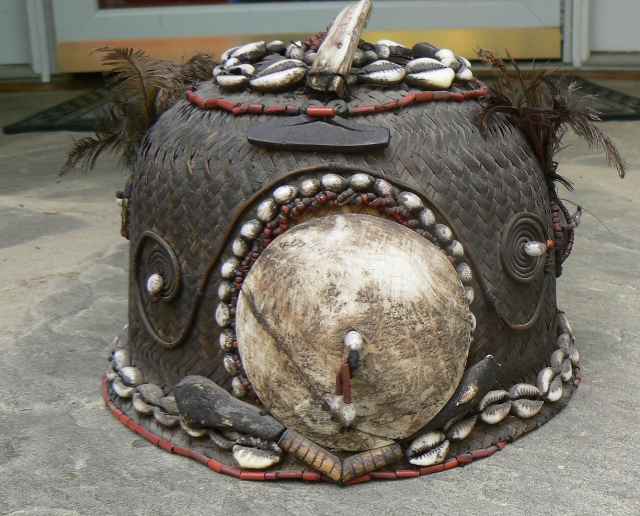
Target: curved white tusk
{"type": "Point", "coordinates": [535, 248]}
{"type": "Point", "coordinates": [333, 62]}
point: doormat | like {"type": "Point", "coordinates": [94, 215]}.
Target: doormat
{"type": "Point", "coordinates": [78, 114]}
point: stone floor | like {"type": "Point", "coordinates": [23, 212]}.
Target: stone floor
{"type": "Point", "coordinates": [63, 299]}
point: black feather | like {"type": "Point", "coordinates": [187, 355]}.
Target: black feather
{"type": "Point", "coordinates": [142, 88]}
{"type": "Point", "coordinates": [532, 100]}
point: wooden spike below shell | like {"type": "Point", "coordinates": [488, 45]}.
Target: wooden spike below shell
{"type": "Point", "coordinates": [370, 460]}
{"type": "Point", "coordinates": [312, 454]}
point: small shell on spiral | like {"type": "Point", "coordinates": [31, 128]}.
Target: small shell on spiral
{"type": "Point", "coordinates": [431, 457]}
{"type": "Point", "coordinates": [223, 316]}
{"type": "Point", "coordinates": [493, 414]}
{"type": "Point", "coordinates": [334, 183]}
{"type": "Point", "coordinates": [473, 321]}
{"type": "Point", "coordinates": [526, 408]}
{"type": "Point", "coordinates": [240, 247]}
{"type": "Point", "coordinates": [534, 248]}
{"type": "Point", "coordinates": [228, 269]}
{"type": "Point", "coordinates": [266, 210]}
{"type": "Point", "coordinates": [309, 187]}
{"type": "Point", "coordinates": [492, 397]}
{"type": "Point", "coordinates": [284, 194]}
{"type": "Point", "coordinates": [464, 273]}
{"type": "Point", "coordinates": [155, 284]}
{"type": "Point", "coordinates": [360, 181]}
{"type": "Point", "coordinates": [524, 390]}
{"type": "Point", "coordinates": [226, 340]}
{"type": "Point", "coordinates": [410, 201]}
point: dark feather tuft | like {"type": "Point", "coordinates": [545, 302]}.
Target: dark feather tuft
{"type": "Point", "coordinates": [142, 88]}
{"type": "Point", "coordinates": [532, 100]}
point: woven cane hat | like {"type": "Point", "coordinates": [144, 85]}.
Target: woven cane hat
{"type": "Point", "coordinates": [338, 269]}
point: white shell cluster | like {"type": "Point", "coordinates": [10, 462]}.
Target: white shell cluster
{"type": "Point", "coordinates": [239, 68]}
{"type": "Point", "coordinates": [147, 399]}
{"type": "Point", "coordinates": [522, 400]}
{"type": "Point", "coordinates": [274, 66]}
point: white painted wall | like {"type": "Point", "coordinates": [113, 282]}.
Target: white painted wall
{"type": "Point", "coordinates": [614, 25]}
{"type": "Point", "coordinates": [14, 33]}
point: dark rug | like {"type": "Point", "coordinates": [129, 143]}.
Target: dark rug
{"type": "Point", "coordinates": [79, 114]}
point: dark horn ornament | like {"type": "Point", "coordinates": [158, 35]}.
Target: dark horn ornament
{"type": "Point", "coordinates": [354, 289]}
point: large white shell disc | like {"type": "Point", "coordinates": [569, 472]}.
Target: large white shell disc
{"type": "Point", "coordinates": [328, 276]}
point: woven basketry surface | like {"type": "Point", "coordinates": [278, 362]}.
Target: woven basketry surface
{"type": "Point", "coordinates": [197, 169]}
